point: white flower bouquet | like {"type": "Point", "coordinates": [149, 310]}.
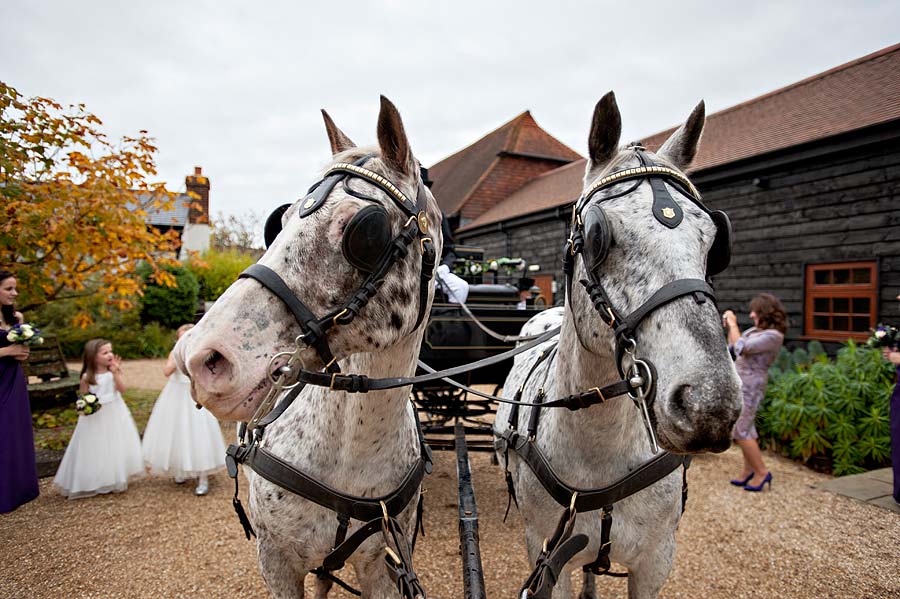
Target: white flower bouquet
{"type": "Point", "coordinates": [87, 404]}
{"type": "Point", "coordinates": [25, 334]}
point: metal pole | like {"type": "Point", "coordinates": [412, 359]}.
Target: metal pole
{"type": "Point", "coordinates": [473, 572]}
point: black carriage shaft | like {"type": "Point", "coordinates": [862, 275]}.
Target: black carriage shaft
{"type": "Point", "coordinates": [473, 572]}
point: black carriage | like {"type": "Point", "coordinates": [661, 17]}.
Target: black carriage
{"type": "Point", "coordinates": [501, 303]}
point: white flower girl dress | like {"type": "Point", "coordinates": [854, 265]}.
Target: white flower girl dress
{"type": "Point", "coordinates": [180, 440]}
{"type": "Point", "coordinates": [105, 450]}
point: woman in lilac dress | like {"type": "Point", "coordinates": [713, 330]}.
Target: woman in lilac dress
{"type": "Point", "coordinates": [893, 356]}
{"type": "Point", "coordinates": [754, 352]}
{"type": "Point", "coordinates": [18, 473]}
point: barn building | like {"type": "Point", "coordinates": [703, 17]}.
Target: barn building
{"type": "Point", "coordinates": [809, 175]}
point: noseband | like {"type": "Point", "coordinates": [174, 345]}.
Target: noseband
{"type": "Point", "coordinates": [590, 237]}
{"type": "Point", "coordinates": [367, 233]}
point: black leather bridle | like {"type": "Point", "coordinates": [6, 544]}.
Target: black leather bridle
{"type": "Point", "coordinates": [366, 245]}
{"type": "Point", "coordinates": [591, 237]}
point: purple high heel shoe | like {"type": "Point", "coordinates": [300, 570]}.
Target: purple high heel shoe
{"type": "Point", "coordinates": [740, 483]}
{"type": "Point", "coordinates": [767, 479]}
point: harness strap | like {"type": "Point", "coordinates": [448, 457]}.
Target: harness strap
{"type": "Point", "coordinates": [322, 573]}
{"type": "Point", "coordinates": [399, 561]}
{"type": "Point", "coordinates": [314, 334]}
{"type": "Point", "coordinates": [578, 401]}
{"type": "Point", "coordinates": [279, 472]}
{"type": "Point", "coordinates": [642, 477]}
{"type": "Point", "coordinates": [663, 296]}
{"type": "Point", "coordinates": [601, 564]}
{"type": "Point", "coordinates": [360, 383]}
{"type": "Point", "coordinates": [557, 551]}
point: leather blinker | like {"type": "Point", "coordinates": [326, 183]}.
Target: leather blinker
{"type": "Point", "coordinates": [365, 237]}
{"type": "Point", "coordinates": [273, 224]}
{"type": "Point", "coordinates": [597, 237]}
{"type": "Point", "coordinates": [720, 253]}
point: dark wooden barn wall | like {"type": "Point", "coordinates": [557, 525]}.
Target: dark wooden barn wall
{"type": "Point", "coordinates": [835, 209]}
{"type": "Point", "coordinates": [841, 207]}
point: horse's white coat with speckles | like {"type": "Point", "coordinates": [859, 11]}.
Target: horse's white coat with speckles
{"type": "Point", "coordinates": [359, 444]}
{"type": "Point", "coordinates": [592, 448]}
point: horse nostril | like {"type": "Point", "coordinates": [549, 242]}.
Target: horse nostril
{"type": "Point", "coordinates": [214, 361]}
{"type": "Point", "coordinates": [679, 399]}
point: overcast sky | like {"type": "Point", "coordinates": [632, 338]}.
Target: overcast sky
{"type": "Point", "coordinates": [236, 87]}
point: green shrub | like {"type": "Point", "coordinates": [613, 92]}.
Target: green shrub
{"type": "Point", "coordinates": [130, 338]}
{"type": "Point", "coordinates": [169, 306]}
{"type": "Point", "coordinates": [218, 269]}
{"type": "Point", "coordinates": [834, 409]}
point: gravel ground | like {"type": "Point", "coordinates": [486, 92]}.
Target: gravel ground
{"type": "Point", "coordinates": [159, 540]}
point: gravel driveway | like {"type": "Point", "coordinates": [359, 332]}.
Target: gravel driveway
{"type": "Point", "coordinates": [159, 540]}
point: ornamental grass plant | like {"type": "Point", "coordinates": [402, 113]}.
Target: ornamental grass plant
{"type": "Point", "coordinates": [836, 411]}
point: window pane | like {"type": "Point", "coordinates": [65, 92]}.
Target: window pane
{"type": "Point", "coordinates": [821, 323]}
{"type": "Point", "coordinates": [840, 323]}
{"type": "Point", "coordinates": [862, 275]}
{"type": "Point", "coordinates": [840, 304]}
{"type": "Point", "coordinates": [823, 277]}
{"type": "Point", "coordinates": [841, 276]}
{"type": "Point", "coordinates": [861, 323]}
{"type": "Point", "coordinates": [861, 305]}
{"type": "Point", "coordinates": [820, 304]}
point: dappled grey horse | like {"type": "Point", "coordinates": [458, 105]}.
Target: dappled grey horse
{"type": "Point", "coordinates": [355, 261]}
{"type": "Point", "coordinates": [638, 311]}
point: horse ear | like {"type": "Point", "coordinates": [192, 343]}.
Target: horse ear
{"type": "Point", "coordinates": [339, 142]}
{"type": "Point", "coordinates": [606, 129]}
{"type": "Point", "coordinates": [395, 150]}
{"type": "Point", "coordinates": [681, 147]}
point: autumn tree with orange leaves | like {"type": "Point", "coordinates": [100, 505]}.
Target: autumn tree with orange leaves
{"type": "Point", "coordinates": [74, 205]}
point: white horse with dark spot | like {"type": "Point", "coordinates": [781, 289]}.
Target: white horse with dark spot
{"type": "Point", "coordinates": [360, 444]}
{"type": "Point", "coordinates": [697, 394]}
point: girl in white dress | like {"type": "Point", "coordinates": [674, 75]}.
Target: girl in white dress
{"type": "Point", "coordinates": [105, 450]}
{"type": "Point", "coordinates": [181, 440]}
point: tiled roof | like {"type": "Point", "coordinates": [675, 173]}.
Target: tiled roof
{"type": "Point", "coordinates": [854, 95]}
{"type": "Point", "coordinates": [555, 188]}
{"type": "Point", "coordinates": [456, 177]}
{"type": "Point", "coordinates": [177, 216]}
{"type": "Point", "coordinates": [857, 94]}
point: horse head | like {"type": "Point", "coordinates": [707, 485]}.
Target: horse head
{"type": "Point", "coordinates": [348, 270]}
{"type": "Point", "coordinates": [648, 246]}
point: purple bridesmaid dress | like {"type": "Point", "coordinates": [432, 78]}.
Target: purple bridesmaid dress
{"type": "Point", "coordinates": [895, 436]}
{"type": "Point", "coordinates": [18, 472]}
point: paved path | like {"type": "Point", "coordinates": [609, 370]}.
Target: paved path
{"type": "Point", "coordinates": [873, 487]}
{"type": "Point", "coordinates": [138, 374]}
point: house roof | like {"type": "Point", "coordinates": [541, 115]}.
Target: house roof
{"type": "Point", "coordinates": [860, 93]}
{"type": "Point", "coordinates": [854, 95]}
{"type": "Point", "coordinates": [177, 216]}
{"type": "Point", "coordinates": [456, 177]}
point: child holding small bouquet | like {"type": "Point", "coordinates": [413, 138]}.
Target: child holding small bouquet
{"type": "Point", "coordinates": [105, 450]}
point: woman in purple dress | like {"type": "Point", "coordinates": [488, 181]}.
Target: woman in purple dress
{"type": "Point", "coordinates": [18, 473]}
{"type": "Point", "coordinates": [754, 352]}
{"type": "Point", "coordinates": [893, 356]}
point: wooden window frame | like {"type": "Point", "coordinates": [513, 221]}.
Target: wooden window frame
{"type": "Point", "coordinates": [850, 291]}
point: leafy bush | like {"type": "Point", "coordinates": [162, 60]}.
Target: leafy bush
{"type": "Point", "coordinates": [122, 327]}
{"type": "Point", "coordinates": [218, 269]}
{"type": "Point", "coordinates": [834, 409]}
{"type": "Point", "coordinates": [169, 306]}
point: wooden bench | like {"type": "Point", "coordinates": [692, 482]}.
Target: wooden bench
{"type": "Point", "coordinates": [58, 384]}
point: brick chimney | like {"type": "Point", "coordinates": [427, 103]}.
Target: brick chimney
{"type": "Point", "coordinates": [199, 185]}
